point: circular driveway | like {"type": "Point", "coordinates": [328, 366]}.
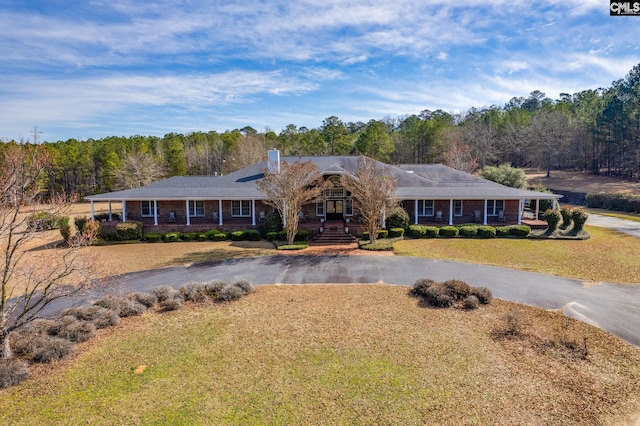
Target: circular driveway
{"type": "Point", "coordinates": [629, 227]}
{"type": "Point", "coordinates": [612, 307]}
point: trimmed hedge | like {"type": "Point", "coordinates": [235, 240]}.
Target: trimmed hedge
{"type": "Point", "coordinates": [172, 237]}
{"type": "Point", "coordinates": [620, 202]}
{"type": "Point", "coordinates": [448, 231]}
{"type": "Point", "coordinates": [44, 221]}
{"type": "Point", "coordinates": [468, 231]}
{"type": "Point", "coordinates": [129, 231]}
{"type": "Point", "coordinates": [521, 231]}
{"type": "Point", "coordinates": [396, 232]}
{"type": "Point", "coordinates": [417, 231]}
{"type": "Point", "coordinates": [153, 237]}
{"type": "Point", "coordinates": [579, 218]}
{"type": "Point", "coordinates": [485, 231]}
{"type": "Point", "coordinates": [383, 233]}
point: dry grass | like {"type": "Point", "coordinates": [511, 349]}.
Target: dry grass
{"type": "Point", "coordinates": [581, 182]}
{"type": "Point", "coordinates": [334, 355]}
{"type": "Point", "coordinates": [609, 256]}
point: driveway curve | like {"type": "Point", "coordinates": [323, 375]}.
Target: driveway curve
{"type": "Point", "coordinates": [629, 227]}
{"type": "Point", "coordinates": [611, 307]}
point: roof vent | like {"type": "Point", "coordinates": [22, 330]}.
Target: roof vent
{"type": "Point", "coordinates": [410, 171]}
{"type": "Point", "coordinates": [273, 161]}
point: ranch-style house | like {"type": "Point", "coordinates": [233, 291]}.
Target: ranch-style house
{"type": "Point", "coordinates": [432, 194]}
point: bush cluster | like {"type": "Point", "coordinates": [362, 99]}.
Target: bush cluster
{"type": "Point", "coordinates": [450, 293]}
{"type": "Point", "coordinates": [129, 231]}
{"type": "Point", "coordinates": [629, 203]}
{"type": "Point", "coordinates": [469, 231]}
{"type": "Point", "coordinates": [44, 221]}
{"type": "Point", "coordinates": [123, 307]}
{"type": "Point", "coordinates": [99, 316]}
{"type": "Point", "coordinates": [398, 218]}
{"type": "Point", "coordinates": [172, 237]}
{"type": "Point", "coordinates": [553, 218]}
{"type": "Point", "coordinates": [579, 218]}
{"type": "Point", "coordinates": [566, 217]}
{"type": "Point", "coordinates": [396, 232]}
{"type": "Point", "coordinates": [448, 231]}
{"type": "Point", "coordinates": [216, 291]}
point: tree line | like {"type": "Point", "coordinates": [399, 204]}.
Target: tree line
{"type": "Point", "coordinates": [595, 130]}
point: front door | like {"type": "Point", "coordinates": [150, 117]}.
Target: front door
{"type": "Point", "coordinates": [335, 209]}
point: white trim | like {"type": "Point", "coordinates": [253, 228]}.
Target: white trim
{"type": "Point", "coordinates": [520, 212]}
{"type": "Point", "coordinates": [484, 220]}
{"type": "Point", "coordinates": [415, 212]}
{"type": "Point", "coordinates": [110, 214]}
{"type": "Point", "coordinates": [155, 212]}
{"type": "Point", "coordinates": [124, 211]}
{"type": "Point", "coordinates": [93, 216]}
{"type": "Point", "coordinates": [188, 213]}
{"type": "Point", "coordinates": [253, 212]}
{"type": "Point", "coordinates": [450, 211]}
{"type": "Point", "coordinates": [220, 212]}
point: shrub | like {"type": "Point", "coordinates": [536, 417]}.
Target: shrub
{"type": "Point", "coordinates": [172, 304]}
{"type": "Point", "coordinates": [164, 293]}
{"type": "Point", "coordinates": [437, 296]}
{"type": "Point", "coordinates": [566, 217]}
{"type": "Point", "coordinates": [579, 218]}
{"type": "Point", "coordinates": [432, 231]}
{"type": "Point", "coordinates": [468, 230]}
{"type": "Point", "coordinates": [397, 218]}
{"type": "Point", "coordinates": [383, 233]}
{"type": "Point", "coordinates": [90, 231]}
{"type": "Point", "coordinates": [237, 235]}
{"type": "Point", "coordinates": [97, 315]}
{"type": "Point", "coordinates": [302, 235]}
{"type": "Point", "coordinates": [505, 174]}
{"type": "Point", "coordinates": [245, 286]}
{"type": "Point", "coordinates": [12, 372]}
{"type": "Point", "coordinates": [80, 222]}
{"type": "Point", "coordinates": [65, 229]}
{"type": "Point", "coordinates": [420, 287]}
{"type": "Point", "coordinates": [73, 329]}
{"type": "Point", "coordinates": [146, 299]}
{"type": "Point", "coordinates": [299, 246]}
{"type": "Point", "coordinates": [271, 236]}
{"type": "Point", "coordinates": [212, 233]}
{"type": "Point", "coordinates": [254, 235]}
{"type": "Point", "coordinates": [502, 231]}
{"type": "Point", "coordinates": [153, 237]}
{"type": "Point", "coordinates": [195, 292]}
{"type": "Point", "coordinates": [129, 231]}
{"type": "Point", "coordinates": [172, 237]}
{"type": "Point", "coordinates": [471, 302]}
{"type": "Point", "coordinates": [448, 232]}
{"type": "Point", "coordinates": [553, 218]}
{"type": "Point", "coordinates": [202, 237]}
{"type": "Point", "coordinates": [43, 221]}
{"type": "Point", "coordinates": [396, 232]}
{"type": "Point", "coordinates": [483, 294]}
{"type": "Point", "coordinates": [622, 202]}
{"type": "Point", "coordinates": [485, 231]}
{"type": "Point", "coordinates": [223, 236]}
{"type": "Point", "coordinates": [103, 217]}
{"type": "Point", "coordinates": [273, 222]}
{"type": "Point", "coordinates": [213, 288]}
{"type": "Point", "coordinates": [383, 244]}
{"type": "Point", "coordinates": [417, 231]}
{"type": "Point", "coordinates": [512, 324]}
{"type": "Point", "coordinates": [522, 231]}
{"type": "Point", "coordinates": [230, 293]}
{"type": "Point", "coordinates": [40, 348]}
{"type": "Point", "coordinates": [457, 289]}
{"type": "Point", "coordinates": [123, 307]}
{"type": "Point", "coordinates": [189, 236]}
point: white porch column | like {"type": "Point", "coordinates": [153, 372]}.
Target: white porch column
{"type": "Point", "coordinates": [253, 212]}
{"type": "Point", "coordinates": [519, 212]}
{"type": "Point", "coordinates": [415, 213]}
{"type": "Point", "coordinates": [110, 213]}
{"type": "Point", "coordinates": [220, 212]}
{"type": "Point", "coordinates": [188, 213]}
{"type": "Point", "coordinates": [555, 204]}
{"type": "Point", "coordinates": [384, 218]}
{"type": "Point", "coordinates": [155, 212]}
{"type": "Point", "coordinates": [537, 208]}
{"type": "Point", "coordinates": [450, 212]}
{"type": "Point", "coordinates": [93, 216]}
{"type": "Point", "coordinates": [484, 221]}
{"type": "Point", "coordinates": [124, 210]}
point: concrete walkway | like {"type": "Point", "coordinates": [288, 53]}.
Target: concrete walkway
{"type": "Point", "coordinates": [612, 307]}
{"type": "Point", "coordinates": [629, 227]}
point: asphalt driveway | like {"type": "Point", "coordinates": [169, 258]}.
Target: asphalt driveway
{"type": "Point", "coordinates": [612, 307]}
{"type": "Point", "coordinates": [621, 225]}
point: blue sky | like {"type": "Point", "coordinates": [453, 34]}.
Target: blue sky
{"type": "Point", "coordinates": [97, 68]}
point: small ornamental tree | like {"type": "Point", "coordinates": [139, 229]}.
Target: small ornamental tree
{"type": "Point", "coordinates": [579, 218]}
{"type": "Point", "coordinates": [553, 218]}
{"type": "Point", "coordinates": [506, 175]}
{"type": "Point", "coordinates": [291, 187]}
{"type": "Point", "coordinates": [374, 193]}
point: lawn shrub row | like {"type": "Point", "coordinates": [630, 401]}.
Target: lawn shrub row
{"type": "Point", "coordinates": [619, 202]}
{"type": "Point", "coordinates": [450, 293]}
{"type": "Point", "coordinates": [301, 235]}
{"type": "Point", "coordinates": [212, 235]}
{"type": "Point", "coordinates": [45, 221]}
{"type": "Point", "coordinates": [48, 340]}
{"type": "Point", "coordinates": [469, 231]}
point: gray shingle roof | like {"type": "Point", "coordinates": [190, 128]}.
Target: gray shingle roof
{"type": "Point", "coordinates": [423, 181]}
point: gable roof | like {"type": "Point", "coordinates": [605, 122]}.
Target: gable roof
{"type": "Point", "coordinates": [422, 181]}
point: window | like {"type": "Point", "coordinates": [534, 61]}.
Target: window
{"type": "Point", "coordinates": [425, 207]}
{"type": "Point", "coordinates": [494, 206]}
{"type": "Point", "coordinates": [196, 208]}
{"type": "Point", "coordinates": [457, 207]}
{"type": "Point", "coordinates": [334, 192]}
{"type": "Point", "coordinates": [320, 208]}
{"type": "Point", "coordinates": [240, 208]}
{"type": "Point", "coordinates": [147, 208]}
{"type": "Point", "coordinates": [348, 207]}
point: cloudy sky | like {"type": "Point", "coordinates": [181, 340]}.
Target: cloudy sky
{"type": "Point", "coordinates": [95, 68]}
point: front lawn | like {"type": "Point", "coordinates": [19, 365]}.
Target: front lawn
{"type": "Point", "coordinates": [339, 355]}
{"type": "Point", "coordinates": [609, 256]}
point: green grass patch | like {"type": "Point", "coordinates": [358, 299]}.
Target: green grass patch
{"type": "Point", "coordinates": [608, 256]}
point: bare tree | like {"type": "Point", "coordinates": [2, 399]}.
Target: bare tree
{"type": "Point", "coordinates": [290, 188]}
{"type": "Point", "coordinates": [483, 138]}
{"type": "Point", "coordinates": [549, 133]}
{"type": "Point", "coordinates": [458, 156]}
{"type": "Point", "coordinates": [140, 169]}
{"type": "Point", "coordinates": [29, 282]}
{"type": "Point", "coordinates": [374, 193]}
